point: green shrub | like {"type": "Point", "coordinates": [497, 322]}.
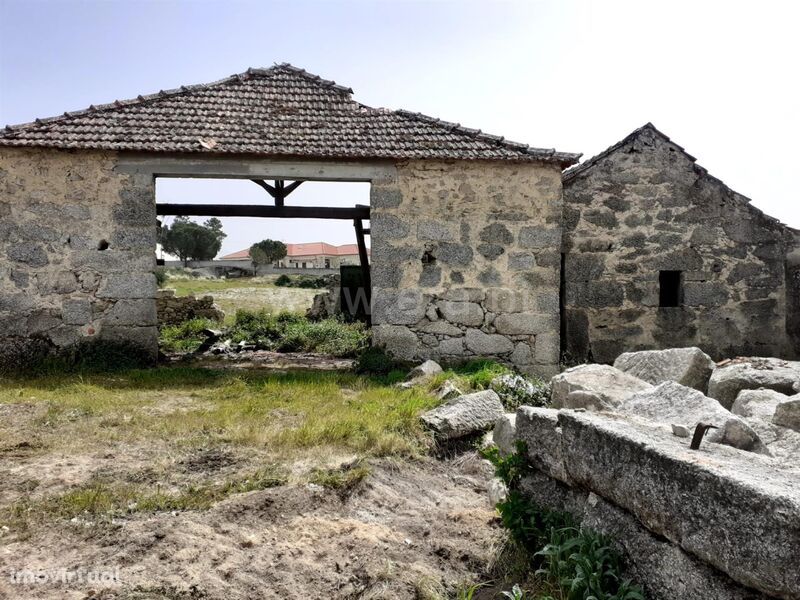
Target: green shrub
{"type": "Point", "coordinates": [376, 361]}
{"type": "Point", "coordinates": [290, 332]}
{"type": "Point", "coordinates": [161, 276]}
{"type": "Point", "coordinates": [302, 281]}
{"type": "Point", "coordinates": [480, 373]}
{"type": "Point", "coordinates": [185, 337]}
{"type": "Point", "coordinates": [283, 281]}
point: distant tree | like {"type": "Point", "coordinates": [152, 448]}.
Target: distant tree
{"type": "Point", "coordinates": [266, 252]}
{"type": "Point", "coordinates": [192, 241]}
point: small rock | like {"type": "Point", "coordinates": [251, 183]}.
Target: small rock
{"type": "Point", "coordinates": [448, 391]}
{"type": "Point", "coordinates": [515, 390]}
{"type": "Point", "coordinates": [787, 414]}
{"type": "Point", "coordinates": [680, 431]}
{"type": "Point", "coordinates": [464, 415]}
{"type": "Point", "coordinates": [421, 374]}
{"type": "Point", "coordinates": [497, 491]}
{"type": "Point", "coordinates": [504, 434]}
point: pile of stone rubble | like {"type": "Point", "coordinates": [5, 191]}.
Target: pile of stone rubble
{"type": "Point", "coordinates": [613, 448]}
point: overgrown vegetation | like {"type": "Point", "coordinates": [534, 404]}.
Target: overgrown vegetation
{"type": "Point", "coordinates": [185, 337]}
{"type": "Point", "coordinates": [36, 357]}
{"type": "Point", "coordinates": [568, 562]}
{"type": "Point", "coordinates": [302, 281]}
{"type": "Point", "coordinates": [290, 332]}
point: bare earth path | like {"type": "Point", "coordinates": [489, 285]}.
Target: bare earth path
{"type": "Point", "coordinates": [409, 529]}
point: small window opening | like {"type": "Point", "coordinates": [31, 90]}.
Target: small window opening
{"type": "Point", "coordinates": [670, 288]}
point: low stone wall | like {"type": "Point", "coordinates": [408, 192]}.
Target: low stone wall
{"type": "Point", "coordinates": [716, 522]}
{"type": "Point", "coordinates": [173, 310]}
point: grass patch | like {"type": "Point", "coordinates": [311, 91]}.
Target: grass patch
{"type": "Point", "coordinates": [185, 337]}
{"type": "Point", "coordinates": [104, 501]}
{"type": "Point", "coordinates": [290, 410]}
{"type": "Point", "coordinates": [344, 479]}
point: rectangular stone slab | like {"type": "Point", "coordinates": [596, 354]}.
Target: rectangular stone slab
{"type": "Point", "coordinates": [732, 509]}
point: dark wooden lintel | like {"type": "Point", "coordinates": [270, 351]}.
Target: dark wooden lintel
{"type": "Point", "coordinates": [257, 210]}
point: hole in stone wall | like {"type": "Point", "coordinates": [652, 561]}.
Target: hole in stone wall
{"type": "Point", "coordinates": [102, 245]}
{"type": "Point", "coordinates": [428, 258]}
{"type": "Point", "coordinates": [670, 290]}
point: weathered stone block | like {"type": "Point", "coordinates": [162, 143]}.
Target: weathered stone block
{"type": "Point", "coordinates": [611, 386]}
{"type": "Point", "coordinates": [771, 373]}
{"type": "Point", "coordinates": [484, 344]}
{"type": "Point", "coordinates": [400, 341]}
{"type": "Point", "coordinates": [707, 293]}
{"type": "Point", "coordinates": [405, 307]}
{"type": "Point", "coordinates": [464, 415]}
{"type": "Point", "coordinates": [526, 323]}
{"type": "Point", "coordinates": [538, 429]}
{"type": "Point", "coordinates": [496, 233]}
{"type": "Point", "coordinates": [77, 312]}
{"type": "Point", "coordinates": [505, 300]}
{"type": "Point", "coordinates": [735, 511]}
{"type": "Point", "coordinates": [465, 313]}
{"type": "Point", "coordinates": [434, 231]}
{"type": "Point", "coordinates": [384, 197]}
{"type": "Point", "coordinates": [29, 253]}
{"type": "Point", "coordinates": [128, 285]}
{"type": "Point", "coordinates": [539, 237]}
{"type": "Point", "coordinates": [388, 227]}
{"type": "Point", "coordinates": [688, 366]}
{"type": "Point", "coordinates": [452, 347]}
{"type": "Point", "coordinates": [139, 312]}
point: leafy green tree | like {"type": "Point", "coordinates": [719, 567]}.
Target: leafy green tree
{"type": "Point", "coordinates": [193, 241]}
{"type": "Point", "coordinates": [266, 252]}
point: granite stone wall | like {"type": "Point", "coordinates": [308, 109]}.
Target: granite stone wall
{"type": "Point", "coordinates": [647, 207]}
{"type": "Point", "coordinates": [174, 310]}
{"type": "Point", "coordinates": [77, 256]}
{"type": "Point", "coordinates": [466, 262]}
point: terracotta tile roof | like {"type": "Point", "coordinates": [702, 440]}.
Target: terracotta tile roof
{"type": "Point", "coordinates": [281, 111]}
{"type": "Point", "coordinates": [308, 249]}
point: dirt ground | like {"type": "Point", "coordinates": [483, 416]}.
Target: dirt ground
{"type": "Point", "coordinates": [416, 529]}
{"type": "Point", "coordinates": [413, 526]}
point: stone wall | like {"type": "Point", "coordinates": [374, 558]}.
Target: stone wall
{"type": "Point", "coordinates": [174, 310]}
{"type": "Point", "coordinates": [716, 523]}
{"type": "Point", "coordinates": [77, 256]}
{"type": "Point", "coordinates": [465, 262]}
{"type": "Point", "coordinates": [647, 207]}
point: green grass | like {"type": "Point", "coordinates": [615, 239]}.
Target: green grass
{"type": "Point", "coordinates": [185, 337]}
{"type": "Point", "coordinates": [288, 332]}
{"type": "Point", "coordinates": [283, 411]}
{"type": "Point", "coordinates": [99, 500]}
{"type": "Point", "coordinates": [471, 376]}
{"type": "Point", "coordinates": [201, 287]}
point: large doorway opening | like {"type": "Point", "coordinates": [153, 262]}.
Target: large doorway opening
{"type": "Point", "coordinates": [323, 227]}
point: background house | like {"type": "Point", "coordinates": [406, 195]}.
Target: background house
{"type": "Point", "coordinates": [313, 255]}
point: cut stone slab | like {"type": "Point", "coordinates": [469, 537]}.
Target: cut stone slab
{"type": "Point", "coordinates": [665, 570]}
{"type": "Point", "coordinates": [787, 414]}
{"type": "Point", "coordinates": [750, 374]}
{"type": "Point", "coordinates": [758, 404]}
{"type": "Point", "coordinates": [610, 385]}
{"type": "Point", "coordinates": [688, 366]}
{"type": "Point", "coordinates": [464, 415]}
{"type": "Point", "coordinates": [737, 512]}
{"type": "Point", "coordinates": [505, 433]}
{"type": "Point", "coordinates": [672, 403]}
{"type": "Point", "coordinates": [538, 429]}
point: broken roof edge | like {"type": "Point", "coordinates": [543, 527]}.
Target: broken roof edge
{"type": "Point", "coordinates": [570, 174]}
{"type": "Point", "coordinates": [172, 92]}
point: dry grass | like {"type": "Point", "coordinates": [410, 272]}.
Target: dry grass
{"type": "Point", "coordinates": [251, 293]}
{"type": "Point", "coordinates": [278, 425]}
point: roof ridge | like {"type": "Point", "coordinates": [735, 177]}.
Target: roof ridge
{"type": "Point", "coordinates": [590, 162]}
{"type": "Point", "coordinates": [183, 89]}
{"type": "Point", "coordinates": [549, 153]}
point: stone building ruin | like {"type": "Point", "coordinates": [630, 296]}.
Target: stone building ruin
{"type": "Point", "coordinates": [658, 253]}
{"type": "Point", "coordinates": [466, 228]}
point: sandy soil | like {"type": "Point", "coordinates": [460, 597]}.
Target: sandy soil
{"type": "Point", "coordinates": [413, 529]}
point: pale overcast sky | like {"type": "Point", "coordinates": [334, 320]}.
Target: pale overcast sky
{"type": "Point", "coordinates": [720, 78]}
